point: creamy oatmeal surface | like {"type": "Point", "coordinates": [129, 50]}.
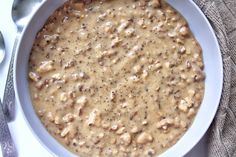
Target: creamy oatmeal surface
{"type": "Point", "coordinates": [117, 78]}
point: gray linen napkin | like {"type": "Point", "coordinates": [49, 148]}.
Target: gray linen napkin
{"type": "Point", "coordinates": [222, 133]}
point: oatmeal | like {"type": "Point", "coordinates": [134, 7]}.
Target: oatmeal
{"type": "Point", "coordinates": [117, 78]}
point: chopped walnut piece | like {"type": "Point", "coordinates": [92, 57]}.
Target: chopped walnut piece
{"type": "Point", "coordinates": [125, 139]}
{"type": "Point", "coordinates": [134, 130]}
{"type": "Point", "coordinates": [102, 17]}
{"type": "Point", "coordinates": [70, 64]}
{"type": "Point", "coordinates": [164, 123]}
{"type": "Point", "coordinates": [70, 130]}
{"type": "Point", "coordinates": [137, 69]}
{"type": "Point", "coordinates": [200, 76]}
{"type": "Point", "coordinates": [109, 53]}
{"type": "Point", "coordinates": [191, 112]}
{"type": "Point", "coordinates": [94, 118]}
{"type": "Point", "coordinates": [50, 116]}
{"type": "Point", "coordinates": [120, 131]}
{"type": "Point", "coordinates": [129, 32]}
{"type": "Point", "coordinates": [125, 104]}
{"type": "Point", "coordinates": [191, 92]}
{"type": "Point", "coordinates": [45, 66]}
{"type": "Point", "coordinates": [101, 135]}
{"type": "Point", "coordinates": [189, 101]}
{"type": "Point", "coordinates": [57, 76]}
{"type": "Point", "coordinates": [115, 42]}
{"type": "Point", "coordinates": [65, 131]}
{"type": "Point", "coordinates": [183, 124]}
{"type": "Point", "coordinates": [124, 24]}
{"type": "Point", "coordinates": [145, 122]}
{"type": "Point", "coordinates": [57, 120]}
{"type": "Point", "coordinates": [51, 38]}
{"type": "Point", "coordinates": [182, 50]}
{"type": "Point", "coordinates": [155, 3]}
{"type": "Point", "coordinates": [109, 27]}
{"type": "Point", "coordinates": [114, 127]}
{"type": "Point", "coordinates": [81, 143]}
{"type": "Point", "coordinates": [183, 106]}
{"type": "Point", "coordinates": [82, 100]}
{"type": "Point", "coordinates": [41, 112]}
{"type": "Point", "coordinates": [172, 34]}
{"type": "Point", "coordinates": [34, 76]}
{"type": "Point", "coordinates": [63, 97]}
{"type": "Point", "coordinates": [145, 74]}
{"type": "Point", "coordinates": [75, 77]}
{"type": "Point", "coordinates": [69, 117]}
{"type": "Point", "coordinates": [184, 31]}
{"type": "Point", "coordinates": [144, 138]}
{"type": "Point", "coordinates": [40, 84]}
{"type": "Point", "coordinates": [112, 95]}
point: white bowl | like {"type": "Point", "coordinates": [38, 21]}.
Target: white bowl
{"type": "Point", "coordinates": [202, 31]}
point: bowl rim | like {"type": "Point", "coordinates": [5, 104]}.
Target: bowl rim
{"type": "Point", "coordinates": [181, 152]}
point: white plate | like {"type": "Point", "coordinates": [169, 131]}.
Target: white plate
{"type": "Point", "coordinates": [202, 31]}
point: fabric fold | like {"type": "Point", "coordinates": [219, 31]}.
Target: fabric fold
{"type": "Point", "coordinates": [221, 135]}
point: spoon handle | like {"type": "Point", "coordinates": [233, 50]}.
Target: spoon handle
{"type": "Point", "coordinates": [7, 144]}
{"type": "Point", "coordinates": [9, 93]}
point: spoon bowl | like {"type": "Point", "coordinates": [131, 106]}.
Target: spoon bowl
{"type": "Point", "coordinates": [21, 10]}
{"type": "Point", "coordinates": [2, 48]}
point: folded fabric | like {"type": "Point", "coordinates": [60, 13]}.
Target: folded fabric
{"type": "Point", "coordinates": [222, 133]}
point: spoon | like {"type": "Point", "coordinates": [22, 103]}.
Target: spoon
{"type": "Point", "coordinates": [7, 144]}
{"type": "Point", "coordinates": [2, 48]}
{"type": "Point", "coordinates": [21, 11]}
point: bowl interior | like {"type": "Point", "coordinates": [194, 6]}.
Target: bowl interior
{"type": "Point", "coordinates": [202, 31]}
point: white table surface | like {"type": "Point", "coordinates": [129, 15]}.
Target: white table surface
{"type": "Point", "coordinates": [26, 143]}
